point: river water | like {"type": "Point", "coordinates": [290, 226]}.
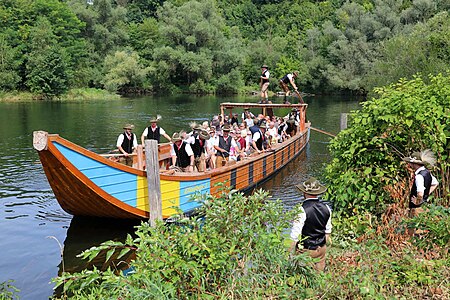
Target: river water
{"type": "Point", "coordinates": [36, 232]}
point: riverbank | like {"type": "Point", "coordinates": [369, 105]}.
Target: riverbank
{"type": "Point", "coordinates": [73, 94]}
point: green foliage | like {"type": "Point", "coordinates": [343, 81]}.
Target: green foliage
{"type": "Point", "coordinates": [9, 65]}
{"type": "Point", "coordinates": [408, 116]}
{"type": "Point", "coordinates": [435, 225]}
{"type": "Point", "coordinates": [123, 72]}
{"type": "Point", "coordinates": [236, 250]}
{"type": "Point", "coordinates": [8, 290]}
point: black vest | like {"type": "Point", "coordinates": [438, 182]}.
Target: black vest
{"type": "Point", "coordinates": [264, 75]}
{"type": "Point", "coordinates": [183, 159]}
{"type": "Point", "coordinates": [224, 145]}
{"type": "Point", "coordinates": [197, 148]}
{"type": "Point", "coordinates": [127, 144]}
{"type": "Point", "coordinates": [426, 182]}
{"type": "Point", "coordinates": [260, 141]}
{"type": "Point", "coordinates": [317, 216]}
{"type": "Point", "coordinates": [285, 79]}
{"type": "Point", "coordinates": [153, 135]}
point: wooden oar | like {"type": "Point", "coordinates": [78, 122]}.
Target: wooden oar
{"type": "Point", "coordinates": [299, 96]}
{"type": "Point", "coordinates": [116, 155]}
{"type": "Point", "coordinates": [322, 131]}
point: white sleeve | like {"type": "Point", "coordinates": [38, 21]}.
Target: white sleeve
{"type": "Point", "coordinates": [420, 183]}
{"type": "Point", "coordinates": [216, 142]}
{"type": "Point", "coordinates": [234, 144]}
{"type": "Point", "coordinates": [145, 133]}
{"type": "Point", "coordinates": [162, 131]}
{"type": "Point", "coordinates": [267, 74]}
{"type": "Point", "coordinates": [172, 151]}
{"type": "Point", "coordinates": [256, 136]}
{"type": "Point", "coordinates": [328, 227]}
{"type": "Point", "coordinates": [434, 181]}
{"type": "Point", "coordinates": [190, 140]}
{"type": "Point", "coordinates": [189, 150]}
{"type": "Point", "coordinates": [297, 227]}
{"type": "Point", "coordinates": [119, 140]}
{"type": "Point", "coordinates": [135, 143]}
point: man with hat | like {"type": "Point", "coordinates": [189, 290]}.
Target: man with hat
{"type": "Point", "coordinates": [424, 183]}
{"type": "Point", "coordinates": [126, 142]}
{"type": "Point", "coordinates": [293, 121]}
{"type": "Point", "coordinates": [199, 147]}
{"type": "Point", "coordinates": [182, 154]}
{"type": "Point", "coordinates": [312, 229]}
{"type": "Point", "coordinates": [259, 142]}
{"type": "Point", "coordinates": [223, 145]}
{"type": "Point", "coordinates": [284, 81]}
{"type": "Point", "coordinates": [154, 132]}
{"type": "Point", "coordinates": [264, 84]}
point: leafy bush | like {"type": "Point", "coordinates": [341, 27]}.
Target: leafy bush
{"type": "Point", "coordinates": [366, 172]}
{"type": "Point", "coordinates": [236, 250]}
{"type": "Point", "coordinates": [8, 291]}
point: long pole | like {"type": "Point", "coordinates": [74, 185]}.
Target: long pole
{"type": "Point", "coordinates": [154, 189]}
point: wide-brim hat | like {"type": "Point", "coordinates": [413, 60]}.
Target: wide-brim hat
{"type": "Point", "coordinates": [226, 128]}
{"type": "Point", "coordinates": [263, 125]}
{"type": "Point", "coordinates": [265, 66]}
{"type": "Point", "coordinates": [414, 158]}
{"type": "Point", "coordinates": [203, 134]}
{"type": "Point", "coordinates": [294, 109]}
{"type": "Point", "coordinates": [128, 126]}
{"type": "Point", "coordinates": [154, 120]}
{"type": "Point", "coordinates": [295, 73]}
{"type": "Point", "coordinates": [312, 187]}
{"type": "Point", "coordinates": [176, 137]}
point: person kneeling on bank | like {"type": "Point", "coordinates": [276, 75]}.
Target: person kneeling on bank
{"type": "Point", "coordinates": [313, 224]}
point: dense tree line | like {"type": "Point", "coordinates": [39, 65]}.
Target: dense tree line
{"type": "Point", "coordinates": [217, 46]}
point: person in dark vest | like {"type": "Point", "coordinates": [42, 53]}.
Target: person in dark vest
{"type": "Point", "coordinates": [182, 154]}
{"type": "Point", "coordinates": [199, 148]}
{"type": "Point", "coordinates": [223, 145]}
{"type": "Point", "coordinates": [264, 84]}
{"type": "Point", "coordinates": [311, 231]}
{"type": "Point", "coordinates": [259, 140]}
{"type": "Point", "coordinates": [423, 183]}
{"type": "Point", "coordinates": [126, 143]}
{"type": "Point", "coordinates": [154, 132]}
{"type": "Point", "coordinates": [293, 121]}
{"type": "Point", "coordinates": [284, 84]}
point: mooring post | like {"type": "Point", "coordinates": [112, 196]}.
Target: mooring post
{"type": "Point", "coordinates": [154, 189]}
{"type": "Point", "coordinates": [343, 121]}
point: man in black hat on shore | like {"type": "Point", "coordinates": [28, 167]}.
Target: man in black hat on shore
{"type": "Point", "coordinates": [313, 224]}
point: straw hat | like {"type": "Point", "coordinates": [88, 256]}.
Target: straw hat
{"type": "Point", "coordinates": [265, 67]}
{"type": "Point", "coordinates": [263, 125]}
{"type": "Point", "coordinates": [203, 134]}
{"type": "Point", "coordinates": [295, 73]}
{"type": "Point", "coordinates": [155, 119]}
{"type": "Point", "coordinates": [226, 128]}
{"type": "Point", "coordinates": [421, 158]}
{"type": "Point", "coordinates": [176, 137]}
{"type": "Point", "coordinates": [128, 126]}
{"type": "Point", "coordinates": [312, 187]}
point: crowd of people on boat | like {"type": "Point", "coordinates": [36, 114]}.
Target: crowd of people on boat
{"type": "Point", "coordinates": [215, 143]}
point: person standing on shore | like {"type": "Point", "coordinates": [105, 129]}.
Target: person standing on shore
{"type": "Point", "coordinates": [424, 183]}
{"type": "Point", "coordinates": [264, 84]}
{"type": "Point", "coordinates": [313, 224]}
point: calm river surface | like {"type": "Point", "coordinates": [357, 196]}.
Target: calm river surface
{"type": "Point", "coordinates": [33, 226]}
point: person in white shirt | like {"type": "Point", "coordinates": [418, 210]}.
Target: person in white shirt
{"type": "Point", "coordinates": [154, 132]}
{"type": "Point", "coordinates": [182, 154]}
{"type": "Point", "coordinates": [127, 143]}
{"type": "Point", "coordinates": [223, 146]}
{"type": "Point", "coordinates": [311, 230]}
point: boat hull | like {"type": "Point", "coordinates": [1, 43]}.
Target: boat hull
{"type": "Point", "coordinates": [87, 184]}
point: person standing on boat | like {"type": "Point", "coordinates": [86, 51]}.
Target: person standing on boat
{"type": "Point", "coordinates": [223, 146]}
{"type": "Point", "coordinates": [199, 148]}
{"type": "Point", "coordinates": [284, 84]}
{"type": "Point", "coordinates": [126, 143]}
{"type": "Point", "coordinates": [312, 229]}
{"type": "Point", "coordinates": [424, 183]}
{"type": "Point", "coordinates": [259, 141]}
{"type": "Point", "coordinates": [182, 154]}
{"type": "Point", "coordinates": [247, 114]}
{"type": "Point", "coordinates": [264, 84]}
{"type": "Point", "coordinates": [154, 132]}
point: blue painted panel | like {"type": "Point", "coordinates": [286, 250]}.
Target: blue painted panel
{"type": "Point", "coordinates": [188, 189]}
{"type": "Point", "coordinates": [117, 183]}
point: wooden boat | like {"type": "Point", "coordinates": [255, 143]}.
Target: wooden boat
{"type": "Point", "coordinates": [89, 184]}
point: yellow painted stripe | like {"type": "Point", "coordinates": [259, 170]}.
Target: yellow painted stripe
{"type": "Point", "coordinates": [142, 193]}
{"type": "Point", "coordinates": [170, 194]}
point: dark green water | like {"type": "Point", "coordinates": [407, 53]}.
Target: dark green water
{"type": "Point", "coordinates": [31, 220]}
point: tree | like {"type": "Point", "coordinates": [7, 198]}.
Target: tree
{"type": "Point", "coordinates": [123, 72]}
{"type": "Point", "coordinates": [9, 65]}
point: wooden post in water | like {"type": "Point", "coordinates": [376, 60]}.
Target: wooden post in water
{"type": "Point", "coordinates": [154, 189]}
{"type": "Point", "coordinates": [343, 121]}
